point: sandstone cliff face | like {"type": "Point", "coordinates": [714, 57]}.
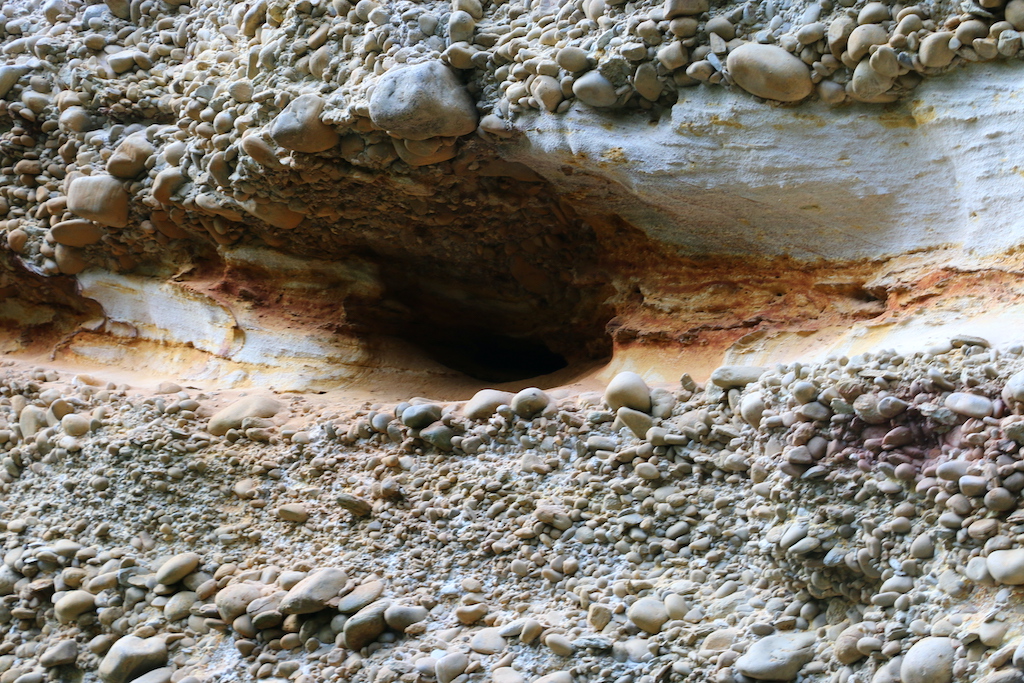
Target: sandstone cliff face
{"type": "Point", "coordinates": [521, 175]}
{"type": "Point", "coordinates": [494, 342]}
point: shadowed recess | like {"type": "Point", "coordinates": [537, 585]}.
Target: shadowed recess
{"type": "Point", "coordinates": [486, 355]}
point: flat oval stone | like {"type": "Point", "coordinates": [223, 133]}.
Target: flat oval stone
{"type": "Point", "coordinates": [969, 405]}
{"type": "Point", "coordinates": [935, 51]}
{"type": "Point", "coordinates": [572, 59]}
{"type": "Point", "coordinates": [752, 408]}
{"type": "Point", "coordinates": [529, 402]}
{"type": "Point", "coordinates": [299, 127]}
{"type": "Point", "coordinates": [506, 674]}
{"type": "Point", "coordinates": [75, 424]}
{"type": "Point", "coordinates": [178, 606]}
{"type": "Point", "coordinates": [76, 233]}
{"type": "Point", "coordinates": [129, 159]}
{"type": "Point", "coordinates": [401, 617]}
{"type": "Point", "coordinates": [867, 83]}
{"type": "Point", "coordinates": [232, 600]}
{"type": "Point", "coordinates": [777, 658]}
{"type": "Point", "coordinates": [863, 37]}
{"type": "Point", "coordinates": [1014, 389]}
{"type": "Point", "coordinates": [100, 198]}
{"type": "Point", "coordinates": [161, 675]}
{"type": "Point", "coordinates": [314, 592]}
{"type": "Point", "coordinates": [231, 417]}
{"type": "Point", "coordinates": [439, 436]}
{"type": "Point", "coordinates": [422, 415]}
{"type": "Point", "coordinates": [450, 667]}
{"type": "Point", "coordinates": [487, 641]}
{"type": "Point", "coordinates": [770, 72]}
{"type": "Point", "coordinates": [362, 596]}
{"type": "Point", "coordinates": [64, 652]}
{"type": "Point", "coordinates": [972, 485]}
{"type": "Point", "coordinates": [557, 677]}
{"type": "Point", "coordinates": [177, 568]}
{"type": "Point", "coordinates": [131, 657]}
{"type": "Point", "coordinates": [73, 604]}
{"type": "Point", "coordinates": [293, 512]}
{"type": "Point", "coordinates": [730, 376]}
{"type": "Point", "coordinates": [363, 627]}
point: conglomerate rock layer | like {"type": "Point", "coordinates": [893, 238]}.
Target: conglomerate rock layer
{"type": "Point", "coordinates": [854, 520]}
{"type": "Point", "coordinates": [299, 185]}
{"type": "Point", "coordinates": [278, 280]}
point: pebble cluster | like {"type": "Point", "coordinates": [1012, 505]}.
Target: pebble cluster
{"type": "Point", "coordinates": [852, 521]}
{"type": "Point", "coordinates": [130, 128]}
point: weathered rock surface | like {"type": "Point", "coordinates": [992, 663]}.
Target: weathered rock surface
{"type": "Point", "coordinates": [371, 210]}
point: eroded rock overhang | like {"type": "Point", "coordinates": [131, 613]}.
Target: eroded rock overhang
{"type": "Point", "coordinates": [260, 198]}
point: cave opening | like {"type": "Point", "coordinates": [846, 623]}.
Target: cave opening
{"type": "Point", "coordinates": [493, 338]}
{"type": "Point", "coordinates": [488, 307]}
{"type": "Point", "coordinates": [485, 354]}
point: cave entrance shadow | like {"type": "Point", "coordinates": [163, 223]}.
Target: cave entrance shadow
{"type": "Point", "coordinates": [487, 355]}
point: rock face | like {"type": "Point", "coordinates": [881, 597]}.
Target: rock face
{"type": "Point", "coordinates": [422, 101]}
{"type": "Point", "coordinates": [259, 259]}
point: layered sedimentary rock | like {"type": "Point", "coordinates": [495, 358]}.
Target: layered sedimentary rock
{"type": "Point", "coordinates": [857, 518]}
{"type": "Point", "coordinates": [548, 342]}
{"type": "Point", "coordinates": [524, 168]}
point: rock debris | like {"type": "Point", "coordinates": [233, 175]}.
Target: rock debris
{"type": "Point", "coordinates": [853, 520]}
